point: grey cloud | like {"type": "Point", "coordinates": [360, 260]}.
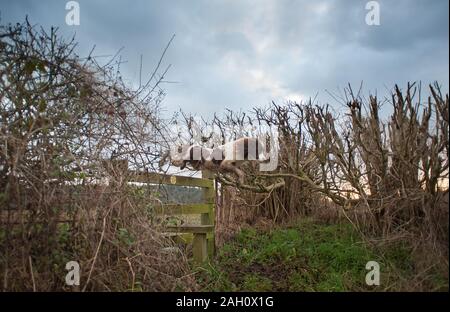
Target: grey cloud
{"type": "Point", "coordinates": [246, 53]}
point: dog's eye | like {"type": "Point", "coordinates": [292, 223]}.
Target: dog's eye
{"type": "Point", "coordinates": [180, 149]}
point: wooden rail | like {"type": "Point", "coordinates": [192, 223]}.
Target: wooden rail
{"type": "Point", "coordinates": [202, 236]}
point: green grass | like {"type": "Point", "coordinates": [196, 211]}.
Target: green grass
{"type": "Point", "coordinates": [307, 256]}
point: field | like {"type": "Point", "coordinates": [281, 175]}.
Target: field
{"type": "Point", "coordinates": [309, 255]}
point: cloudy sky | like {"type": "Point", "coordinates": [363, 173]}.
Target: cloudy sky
{"type": "Point", "coordinates": [240, 54]}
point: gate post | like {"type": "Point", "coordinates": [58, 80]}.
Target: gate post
{"type": "Point", "coordinates": [199, 246]}
{"type": "Point", "coordinates": [209, 195]}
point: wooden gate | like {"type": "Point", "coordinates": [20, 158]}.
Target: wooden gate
{"type": "Point", "coordinates": [201, 235]}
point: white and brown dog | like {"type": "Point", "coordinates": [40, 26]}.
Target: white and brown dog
{"type": "Point", "coordinates": [228, 157]}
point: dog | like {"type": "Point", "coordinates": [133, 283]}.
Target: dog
{"type": "Point", "coordinates": [187, 154]}
{"type": "Point", "coordinates": [227, 157]}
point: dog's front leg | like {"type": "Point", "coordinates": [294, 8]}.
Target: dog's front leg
{"type": "Point", "coordinates": [240, 175]}
{"type": "Point", "coordinates": [229, 166]}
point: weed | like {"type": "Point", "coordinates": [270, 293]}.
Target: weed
{"type": "Point", "coordinates": [307, 256]}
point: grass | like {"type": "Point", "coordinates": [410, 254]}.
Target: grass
{"type": "Point", "coordinates": [307, 256]}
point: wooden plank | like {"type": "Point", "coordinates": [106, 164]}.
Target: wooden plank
{"type": "Point", "coordinates": [209, 195]}
{"type": "Point", "coordinates": [191, 228]}
{"type": "Point", "coordinates": [180, 209]}
{"type": "Point", "coordinates": [152, 177]}
{"type": "Point", "coordinates": [208, 216]}
{"type": "Point", "coordinates": [211, 246]}
{"type": "Point", "coordinates": [186, 238]}
{"type": "Point", "coordinates": [199, 248]}
{"type": "Point", "coordinates": [180, 238]}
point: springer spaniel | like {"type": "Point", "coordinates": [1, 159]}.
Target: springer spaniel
{"type": "Point", "coordinates": [228, 157]}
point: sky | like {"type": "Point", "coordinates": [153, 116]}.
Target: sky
{"type": "Point", "coordinates": [246, 53]}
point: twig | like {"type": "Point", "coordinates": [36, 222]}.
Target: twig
{"type": "Point", "coordinates": [96, 253]}
{"type": "Point", "coordinates": [32, 274]}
